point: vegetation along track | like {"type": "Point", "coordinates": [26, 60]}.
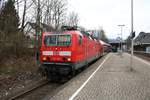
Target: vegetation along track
{"type": "Point", "coordinates": [27, 89]}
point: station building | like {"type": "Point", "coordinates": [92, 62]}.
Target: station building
{"type": "Point", "coordinates": [142, 42]}
{"type": "Point", "coordinates": [116, 45]}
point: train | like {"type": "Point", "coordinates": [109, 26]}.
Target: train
{"type": "Point", "coordinates": [64, 52]}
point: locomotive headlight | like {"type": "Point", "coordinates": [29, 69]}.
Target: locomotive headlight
{"type": "Point", "coordinates": [68, 59]}
{"type": "Point", "coordinates": [44, 58]}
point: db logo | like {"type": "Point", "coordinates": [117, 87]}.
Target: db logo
{"type": "Point", "coordinates": [56, 53]}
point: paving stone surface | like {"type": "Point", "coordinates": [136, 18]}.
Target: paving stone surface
{"type": "Point", "coordinates": [114, 81]}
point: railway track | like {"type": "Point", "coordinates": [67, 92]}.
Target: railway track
{"type": "Point", "coordinates": [27, 89]}
{"type": "Point", "coordinates": [145, 56]}
{"type": "Point", "coordinates": [142, 55]}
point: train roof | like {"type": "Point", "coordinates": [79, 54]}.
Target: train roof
{"type": "Point", "coordinates": [63, 32]}
{"type": "Point", "coordinates": [72, 30]}
{"type": "Point", "coordinates": [104, 43]}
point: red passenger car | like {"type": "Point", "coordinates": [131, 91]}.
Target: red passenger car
{"type": "Point", "coordinates": [106, 47]}
{"type": "Point", "coordinates": [62, 53]}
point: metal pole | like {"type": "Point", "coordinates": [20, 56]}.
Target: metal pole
{"type": "Point", "coordinates": [119, 44]}
{"type": "Point", "coordinates": [131, 35]}
{"type": "Point", "coordinates": [121, 36]}
{"type": "Point", "coordinates": [121, 39]}
{"type": "Point", "coordinates": [37, 32]}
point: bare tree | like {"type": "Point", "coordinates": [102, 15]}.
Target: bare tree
{"type": "Point", "coordinates": [1, 4]}
{"type": "Point", "coordinates": [103, 36]}
{"type": "Point", "coordinates": [58, 12]}
{"type": "Point", "coordinates": [50, 12]}
{"type": "Point", "coordinates": [54, 13]}
{"type": "Point", "coordinates": [23, 16]}
{"type": "Point", "coordinates": [26, 5]}
{"type": "Point", "coordinates": [73, 19]}
{"type": "Point", "coordinates": [47, 19]}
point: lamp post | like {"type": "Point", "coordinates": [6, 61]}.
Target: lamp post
{"type": "Point", "coordinates": [131, 35]}
{"type": "Point", "coordinates": [121, 26]}
{"type": "Point", "coordinates": [119, 41]}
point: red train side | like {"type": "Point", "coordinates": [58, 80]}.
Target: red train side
{"type": "Point", "coordinates": [106, 47]}
{"type": "Point", "coordinates": [65, 52]}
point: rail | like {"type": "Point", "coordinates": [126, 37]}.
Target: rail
{"type": "Point", "coordinates": [146, 54]}
{"type": "Point", "coordinates": [29, 88]}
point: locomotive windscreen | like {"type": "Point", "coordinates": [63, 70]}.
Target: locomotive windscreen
{"type": "Point", "coordinates": [57, 40]}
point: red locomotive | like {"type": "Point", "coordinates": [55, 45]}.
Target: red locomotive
{"type": "Point", "coordinates": [62, 53]}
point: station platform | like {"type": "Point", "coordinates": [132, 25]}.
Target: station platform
{"type": "Point", "coordinates": [113, 80]}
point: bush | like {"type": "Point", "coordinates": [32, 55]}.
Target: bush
{"type": "Point", "coordinates": [16, 45]}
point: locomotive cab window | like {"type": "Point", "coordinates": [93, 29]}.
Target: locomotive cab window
{"type": "Point", "coordinates": [64, 40]}
{"type": "Point", "coordinates": [80, 40]}
{"type": "Point", "coordinates": [57, 40]}
{"type": "Point", "coordinates": [50, 40]}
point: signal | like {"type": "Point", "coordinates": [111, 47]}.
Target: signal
{"type": "Point", "coordinates": [133, 34]}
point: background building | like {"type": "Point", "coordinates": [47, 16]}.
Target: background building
{"type": "Point", "coordinates": [142, 42]}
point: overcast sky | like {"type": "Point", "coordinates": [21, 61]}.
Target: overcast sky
{"type": "Point", "coordinates": [110, 13]}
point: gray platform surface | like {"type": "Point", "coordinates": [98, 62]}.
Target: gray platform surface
{"type": "Point", "coordinates": [113, 81]}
